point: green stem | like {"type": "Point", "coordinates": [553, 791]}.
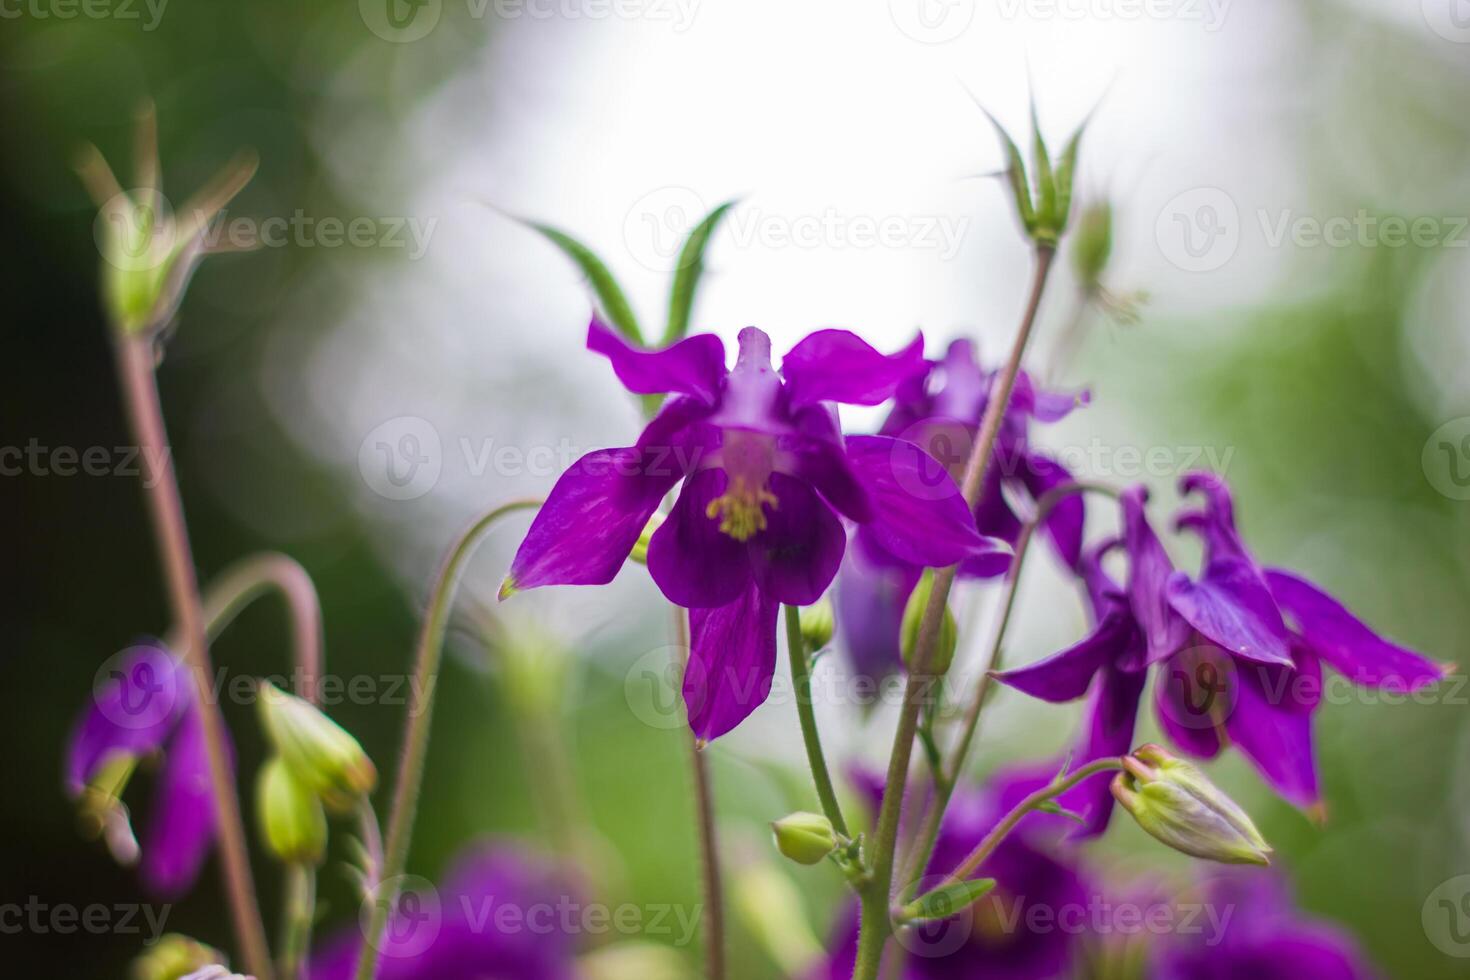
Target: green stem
{"type": "Point", "coordinates": [801, 682]}
{"type": "Point", "coordinates": [300, 888]}
{"type": "Point", "coordinates": [704, 801]}
{"type": "Point", "coordinates": [136, 365]}
{"type": "Point", "coordinates": [876, 925]}
{"type": "Point", "coordinates": [416, 731]}
{"type": "Point", "coordinates": [250, 578]}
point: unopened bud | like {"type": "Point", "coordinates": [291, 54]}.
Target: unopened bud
{"type": "Point", "coordinates": [818, 622]}
{"type": "Point", "coordinates": [291, 817]}
{"type": "Point", "coordinates": [913, 622]}
{"type": "Point", "coordinates": [640, 549]}
{"type": "Point", "coordinates": [1175, 802]}
{"type": "Point", "coordinates": [1092, 244]}
{"type": "Point", "coordinates": [318, 751]}
{"type": "Point", "coordinates": [175, 956]}
{"type": "Point", "coordinates": [805, 838]}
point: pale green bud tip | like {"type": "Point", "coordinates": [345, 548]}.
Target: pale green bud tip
{"type": "Point", "coordinates": [805, 838]}
{"type": "Point", "coordinates": [640, 549]}
{"type": "Point", "coordinates": [1176, 803]}
{"type": "Point", "coordinates": [913, 624]}
{"type": "Point", "coordinates": [1092, 244]}
{"type": "Point", "coordinates": [292, 821]}
{"type": "Point", "coordinates": [818, 623]}
{"type": "Point", "coordinates": [318, 751]}
{"type": "Point", "coordinates": [508, 588]}
{"type": "Point", "coordinates": [173, 957]}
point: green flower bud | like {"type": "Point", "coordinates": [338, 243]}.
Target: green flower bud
{"type": "Point", "coordinates": [291, 817]}
{"type": "Point", "coordinates": [805, 838]}
{"type": "Point", "coordinates": [175, 956]}
{"type": "Point", "coordinates": [1043, 199]}
{"type": "Point", "coordinates": [1175, 802]}
{"type": "Point", "coordinates": [640, 549]}
{"type": "Point", "coordinates": [913, 621]}
{"type": "Point", "coordinates": [1092, 245]}
{"type": "Point", "coordinates": [818, 623]}
{"type": "Point", "coordinates": [318, 751]}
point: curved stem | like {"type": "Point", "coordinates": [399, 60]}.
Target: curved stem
{"type": "Point", "coordinates": [416, 732]}
{"type": "Point", "coordinates": [250, 578]}
{"type": "Point", "coordinates": [876, 925]}
{"type": "Point", "coordinates": [709, 852]}
{"type": "Point", "coordinates": [801, 683]}
{"type": "Point", "coordinates": [136, 362]}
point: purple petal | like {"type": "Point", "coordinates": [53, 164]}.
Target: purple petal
{"type": "Point", "coordinates": [1232, 606]}
{"type": "Point", "coordinates": [1342, 640]}
{"type": "Point", "coordinates": [133, 710]}
{"type": "Point", "coordinates": [590, 522]}
{"type": "Point", "coordinates": [754, 398]}
{"type": "Point", "coordinates": [694, 366]}
{"type": "Point", "coordinates": [869, 600]}
{"type": "Point", "coordinates": [919, 514]}
{"type": "Point", "coordinates": [181, 826]}
{"type": "Point", "coordinates": [839, 366]}
{"type": "Point", "coordinates": [1149, 569]}
{"type": "Point", "coordinates": [1272, 726]}
{"type": "Point", "coordinates": [1194, 695]}
{"type": "Point", "coordinates": [732, 658]}
{"type": "Point", "coordinates": [818, 455]}
{"type": "Point", "coordinates": [1064, 524]}
{"type": "Point", "coordinates": [1043, 405]}
{"type": "Point", "coordinates": [796, 557]}
{"type": "Point", "coordinates": [1065, 676]}
{"type": "Point", "coordinates": [693, 562]}
{"type": "Point", "coordinates": [1216, 522]}
{"type": "Point", "coordinates": [1111, 714]}
{"type": "Point", "coordinates": [964, 387]}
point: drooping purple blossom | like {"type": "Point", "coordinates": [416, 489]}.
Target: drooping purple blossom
{"type": "Point", "coordinates": [499, 913]}
{"type": "Point", "coordinates": [940, 409]}
{"type": "Point", "coordinates": [767, 480]}
{"type": "Point", "coordinates": [1264, 937]}
{"type": "Point", "coordinates": [1029, 927]}
{"type": "Point", "coordinates": [147, 706]}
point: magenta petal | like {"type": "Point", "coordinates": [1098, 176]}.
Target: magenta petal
{"type": "Point", "coordinates": [1231, 605]}
{"type": "Point", "coordinates": [1065, 522]}
{"type": "Point", "coordinates": [693, 562]}
{"type": "Point", "coordinates": [181, 827]}
{"type": "Point", "coordinates": [1149, 569]}
{"type": "Point", "coordinates": [869, 599]}
{"type": "Point", "coordinates": [919, 515]}
{"type": "Point", "coordinates": [590, 522]}
{"type": "Point", "coordinates": [839, 366]}
{"type": "Point", "coordinates": [1065, 676]}
{"type": "Point", "coordinates": [732, 658]}
{"type": "Point", "coordinates": [1044, 405]}
{"type": "Point", "coordinates": [693, 366]}
{"type": "Point", "coordinates": [1339, 638]}
{"type": "Point", "coordinates": [1194, 695]}
{"type": "Point", "coordinates": [1112, 712]}
{"type": "Point", "coordinates": [1272, 726]}
{"type": "Point", "coordinates": [133, 711]}
{"type": "Point", "coordinates": [796, 557]}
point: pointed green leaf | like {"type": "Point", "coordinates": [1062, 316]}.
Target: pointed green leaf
{"type": "Point", "coordinates": [1052, 806]}
{"type": "Point", "coordinates": [944, 902]}
{"type": "Point", "coordinates": [1015, 172]}
{"type": "Point", "coordinates": [610, 299]}
{"type": "Point", "coordinates": [1066, 172]}
{"type": "Point", "coordinates": [688, 274]}
{"type": "Point", "coordinates": [1046, 189]}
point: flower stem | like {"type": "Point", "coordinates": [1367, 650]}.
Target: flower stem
{"type": "Point", "coordinates": [801, 682]}
{"type": "Point", "coordinates": [1050, 791]}
{"type": "Point", "coordinates": [876, 924]}
{"type": "Point", "coordinates": [136, 363]}
{"type": "Point", "coordinates": [704, 801]}
{"type": "Point", "coordinates": [300, 885]}
{"type": "Point", "coordinates": [416, 729]}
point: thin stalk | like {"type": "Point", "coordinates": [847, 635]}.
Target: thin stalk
{"type": "Point", "coordinates": [709, 853]}
{"type": "Point", "coordinates": [136, 362]}
{"type": "Point", "coordinates": [300, 888]}
{"type": "Point", "coordinates": [416, 729]}
{"type": "Point", "coordinates": [876, 925]}
{"type": "Point", "coordinates": [249, 579]}
{"type": "Point", "coordinates": [801, 683]}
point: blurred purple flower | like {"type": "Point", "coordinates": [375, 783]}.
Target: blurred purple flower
{"type": "Point", "coordinates": [146, 705]}
{"type": "Point", "coordinates": [766, 474]}
{"type": "Point", "coordinates": [497, 914]}
{"type": "Point", "coordinates": [940, 409]}
{"type": "Point", "coordinates": [1029, 927]}
{"type": "Point", "coordinates": [1264, 938]}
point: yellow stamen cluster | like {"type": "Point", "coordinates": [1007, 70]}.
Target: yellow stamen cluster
{"type": "Point", "coordinates": [740, 509]}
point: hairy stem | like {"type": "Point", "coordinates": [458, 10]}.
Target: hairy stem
{"type": "Point", "coordinates": [709, 853]}
{"type": "Point", "coordinates": [136, 362]}
{"type": "Point", "coordinates": [416, 729]}
{"type": "Point", "coordinates": [300, 886]}
{"type": "Point", "coordinates": [801, 682]}
{"type": "Point", "coordinates": [876, 925]}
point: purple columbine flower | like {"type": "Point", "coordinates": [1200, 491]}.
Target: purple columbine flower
{"type": "Point", "coordinates": [1029, 927]}
{"type": "Point", "coordinates": [767, 477]}
{"type": "Point", "coordinates": [498, 913]}
{"type": "Point", "coordinates": [1264, 937]}
{"type": "Point", "coordinates": [146, 705]}
{"type": "Point", "coordinates": [940, 409]}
